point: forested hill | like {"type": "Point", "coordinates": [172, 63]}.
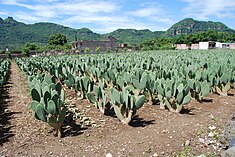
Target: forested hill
{"type": "Point", "coordinates": [189, 26]}
{"type": "Point", "coordinates": [14, 34]}
{"type": "Point", "coordinates": [133, 36]}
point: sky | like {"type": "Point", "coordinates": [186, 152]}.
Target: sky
{"type": "Point", "coordinates": [103, 16]}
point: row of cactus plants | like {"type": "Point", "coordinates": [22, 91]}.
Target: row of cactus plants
{"type": "Point", "coordinates": [48, 97]}
{"type": "Point", "coordinates": [48, 102]}
{"type": "Point", "coordinates": [4, 71]}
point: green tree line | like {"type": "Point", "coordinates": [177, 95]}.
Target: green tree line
{"type": "Point", "coordinates": [56, 42]}
{"type": "Point", "coordinates": [166, 43]}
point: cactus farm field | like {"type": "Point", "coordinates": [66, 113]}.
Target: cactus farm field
{"type": "Point", "coordinates": [156, 103]}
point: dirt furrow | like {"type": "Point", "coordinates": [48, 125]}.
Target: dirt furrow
{"type": "Point", "coordinates": [21, 125]}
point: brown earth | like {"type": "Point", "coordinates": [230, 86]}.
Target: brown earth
{"type": "Point", "coordinates": [153, 132]}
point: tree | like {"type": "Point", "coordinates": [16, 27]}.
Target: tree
{"type": "Point", "coordinates": [212, 35]}
{"type": "Point", "coordinates": [202, 36]}
{"type": "Point", "coordinates": [31, 46]}
{"type": "Point", "coordinates": [181, 40]}
{"type": "Point", "coordinates": [57, 39]}
{"type": "Point", "coordinates": [192, 38]}
{"type": "Point", "coordinates": [233, 37]}
{"type": "Point", "coordinates": [28, 47]}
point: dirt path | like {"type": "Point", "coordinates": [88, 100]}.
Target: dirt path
{"type": "Point", "coordinates": [19, 123]}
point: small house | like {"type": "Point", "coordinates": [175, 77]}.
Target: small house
{"type": "Point", "coordinates": [194, 46]}
{"type": "Point", "coordinates": [222, 45]}
{"type": "Point", "coordinates": [108, 44]}
{"type": "Point", "coordinates": [232, 46]}
{"type": "Point", "coordinates": [182, 46]}
{"type": "Point", "coordinates": [207, 45]}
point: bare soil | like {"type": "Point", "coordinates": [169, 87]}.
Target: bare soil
{"type": "Point", "coordinates": [153, 132]}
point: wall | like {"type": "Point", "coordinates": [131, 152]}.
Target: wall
{"type": "Point", "coordinates": [232, 46]}
{"type": "Point", "coordinates": [203, 45]}
{"type": "Point", "coordinates": [182, 46]}
{"type": "Point", "coordinates": [195, 46]}
{"type": "Point", "coordinates": [104, 45]}
{"type": "Point", "coordinates": [223, 45]}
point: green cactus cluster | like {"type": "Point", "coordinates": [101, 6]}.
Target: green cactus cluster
{"type": "Point", "coordinates": [48, 102]}
{"type": "Point", "coordinates": [223, 83]}
{"type": "Point", "coordinates": [70, 81]}
{"type": "Point", "coordinates": [28, 67]}
{"type": "Point", "coordinates": [140, 82]}
{"type": "Point", "coordinates": [172, 95]}
{"type": "Point", "coordinates": [98, 97]}
{"type": "Point", "coordinates": [4, 71]}
{"type": "Point", "coordinates": [222, 80]}
{"type": "Point", "coordinates": [125, 104]}
{"type": "Point", "coordinates": [199, 90]}
{"type": "Point", "coordinates": [83, 86]}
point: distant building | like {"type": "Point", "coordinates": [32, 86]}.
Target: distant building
{"type": "Point", "coordinates": [182, 46]}
{"type": "Point", "coordinates": [123, 47]}
{"type": "Point", "coordinates": [109, 44]}
{"type": "Point", "coordinates": [223, 45]}
{"type": "Point", "coordinates": [194, 46]}
{"type": "Point", "coordinates": [207, 45]}
{"type": "Point", "coordinates": [232, 46]}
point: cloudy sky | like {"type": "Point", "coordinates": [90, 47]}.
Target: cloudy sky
{"type": "Point", "coordinates": [103, 16]}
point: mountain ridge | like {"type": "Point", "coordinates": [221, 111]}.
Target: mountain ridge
{"type": "Point", "coordinates": [189, 25]}
{"type": "Point", "coordinates": [14, 34]}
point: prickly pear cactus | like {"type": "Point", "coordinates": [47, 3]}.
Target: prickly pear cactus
{"type": "Point", "coordinates": [199, 90]}
{"type": "Point", "coordinates": [125, 104]}
{"type": "Point", "coordinates": [98, 97]}
{"type": "Point", "coordinates": [48, 103]}
{"type": "Point", "coordinates": [172, 95]}
{"type": "Point", "coordinates": [83, 86]}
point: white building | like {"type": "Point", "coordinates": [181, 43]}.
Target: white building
{"type": "Point", "coordinates": [222, 45]}
{"type": "Point", "coordinates": [207, 45]}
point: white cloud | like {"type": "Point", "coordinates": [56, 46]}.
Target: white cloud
{"type": "Point", "coordinates": [4, 13]}
{"type": "Point", "coordinates": [97, 18]}
{"type": "Point", "coordinates": [87, 6]}
{"type": "Point", "coordinates": [8, 2]}
{"type": "Point", "coordinates": [102, 15]}
{"type": "Point", "coordinates": [135, 25]}
{"type": "Point", "coordinates": [108, 23]}
{"type": "Point", "coordinates": [146, 12]}
{"type": "Point", "coordinates": [46, 1]}
{"type": "Point", "coordinates": [203, 9]}
{"type": "Point", "coordinates": [43, 10]}
{"type": "Point", "coordinates": [153, 12]}
{"type": "Point", "coordinates": [25, 17]}
{"type": "Point", "coordinates": [68, 7]}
